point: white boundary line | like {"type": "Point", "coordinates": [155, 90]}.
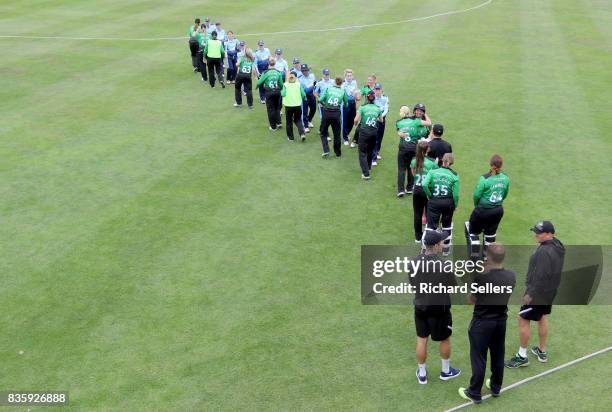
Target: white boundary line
{"type": "Point", "coordinates": [539, 375]}
{"type": "Point", "coordinates": [354, 27]}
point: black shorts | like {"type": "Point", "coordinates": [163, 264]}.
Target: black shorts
{"type": "Point", "coordinates": [536, 312]}
{"type": "Point", "coordinates": [438, 325]}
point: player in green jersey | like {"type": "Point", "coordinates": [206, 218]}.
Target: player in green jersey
{"type": "Point", "coordinates": [193, 44]}
{"type": "Point", "coordinates": [361, 97]}
{"type": "Point", "coordinates": [366, 118]}
{"type": "Point", "coordinates": [201, 36]}
{"type": "Point", "coordinates": [244, 78]}
{"type": "Point", "coordinates": [489, 195]}
{"type": "Point", "coordinates": [333, 99]}
{"type": "Point", "coordinates": [272, 81]}
{"type": "Point", "coordinates": [442, 189]}
{"type": "Point", "coordinates": [420, 166]}
{"type": "Point", "coordinates": [409, 131]}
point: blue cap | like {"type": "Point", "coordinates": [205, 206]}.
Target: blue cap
{"type": "Point", "coordinates": [326, 72]}
{"type": "Point", "coordinates": [378, 86]}
{"type": "Point", "coordinates": [296, 60]}
{"type": "Point", "coordinates": [260, 42]}
{"type": "Point", "coordinates": [304, 67]}
{"type": "Point", "coordinates": [279, 51]}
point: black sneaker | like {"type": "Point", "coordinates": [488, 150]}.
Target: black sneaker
{"type": "Point", "coordinates": [400, 194]}
{"type": "Point", "coordinates": [465, 395]}
{"type": "Point", "coordinates": [493, 394]}
{"type": "Point", "coordinates": [517, 361]}
{"type": "Point", "coordinates": [542, 356]}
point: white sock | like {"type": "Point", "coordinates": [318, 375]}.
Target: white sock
{"type": "Point", "coordinates": [422, 369]}
{"type": "Point", "coordinates": [446, 365]}
{"type": "Point", "coordinates": [522, 352]}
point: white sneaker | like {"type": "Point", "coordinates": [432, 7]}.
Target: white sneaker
{"type": "Point", "coordinates": [353, 145]}
{"type": "Point", "coordinates": [364, 177]}
{"type": "Point", "coordinates": [272, 129]}
{"type": "Point", "coordinates": [237, 105]}
{"type": "Point", "coordinates": [307, 130]}
{"type": "Point", "coordinates": [400, 194]}
{"type": "Point", "coordinates": [324, 155]}
{"type": "Point", "coordinates": [262, 101]}
{"type": "Point", "coordinates": [346, 143]}
{"type": "Point", "coordinates": [328, 139]}
{"type": "Point", "coordinates": [379, 157]}
{"type": "Point", "coordinates": [374, 163]}
{"type": "Point", "coordinates": [310, 125]}
{"type": "Point", "coordinates": [303, 137]}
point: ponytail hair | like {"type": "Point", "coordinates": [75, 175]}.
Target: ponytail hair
{"type": "Point", "coordinates": [249, 54]}
{"type": "Point", "coordinates": [496, 163]}
{"type": "Point", "coordinates": [404, 111]}
{"type": "Point", "coordinates": [421, 152]}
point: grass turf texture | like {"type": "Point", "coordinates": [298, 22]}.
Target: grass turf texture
{"type": "Point", "coordinates": [163, 250]}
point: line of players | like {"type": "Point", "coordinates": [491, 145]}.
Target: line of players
{"type": "Point", "coordinates": [424, 159]}
{"type": "Point", "coordinates": [424, 166]}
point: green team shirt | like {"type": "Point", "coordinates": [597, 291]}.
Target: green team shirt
{"type": "Point", "coordinates": [412, 127]}
{"type": "Point", "coordinates": [190, 30]}
{"type": "Point", "coordinates": [333, 97]}
{"type": "Point", "coordinates": [491, 190]}
{"type": "Point", "coordinates": [442, 183]}
{"type": "Point", "coordinates": [245, 66]}
{"type": "Point", "coordinates": [369, 115]}
{"type": "Point", "coordinates": [272, 79]}
{"type": "Point", "coordinates": [428, 164]}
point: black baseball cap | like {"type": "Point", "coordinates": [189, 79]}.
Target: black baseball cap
{"type": "Point", "coordinates": [432, 238]}
{"type": "Point", "coordinates": [544, 226]}
{"type": "Point", "coordinates": [438, 129]}
{"type": "Point", "coordinates": [304, 66]}
{"type": "Point", "coordinates": [419, 106]}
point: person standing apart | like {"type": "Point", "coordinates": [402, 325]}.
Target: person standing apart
{"type": "Point", "coordinates": [245, 66]}
{"type": "Point", "coordinates": [231, 50]}
{"type": "Point", "coordinates": [442, 189]}
{"type": "Point", "coordinates": [381, 101]}
{"type": "Point", "coordinates": [262, 56]}
{"type": "Point", "coordinates": [322, 84]}
{"type": "Point", "coordinates": [193, 44]}
{"type": "Point", "coordinates": [293, 95]}
{"type": "Point", "coordinates": [409, 132]}
{"type": "Point", "coordinates": [332, 99]}
{"type": "Point", "coordinates": [432, 311]}
{"type": "Point", "coordinates": [366, 118]}
{"type": "Point", "coordinates": [348, 115]}
{"type": "Point", "coordinates": [487, 330]}
{"type": "Point", "coordinates": [272, 82]}
{"type": "Point", "coordinates": [214, 53]}
{"type": "Point", "coordinates": [308, 81]}
{"type": "Point", "coordinates": [543, 279]}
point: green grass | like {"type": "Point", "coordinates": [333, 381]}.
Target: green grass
{"type": "Point", "coordinates": [163, 251]}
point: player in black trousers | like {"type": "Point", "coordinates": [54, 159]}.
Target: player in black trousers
{"type": "Point", "coordinates": [442, 189]}
{"type": "Point", "coordinates": [420, 166]}
{"type": "Point", "coordinates": [487, 330]}
{"type": "Point", "coordinates": [194, 45]}
{"type": "Point", "coordinates": [489, 195]}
